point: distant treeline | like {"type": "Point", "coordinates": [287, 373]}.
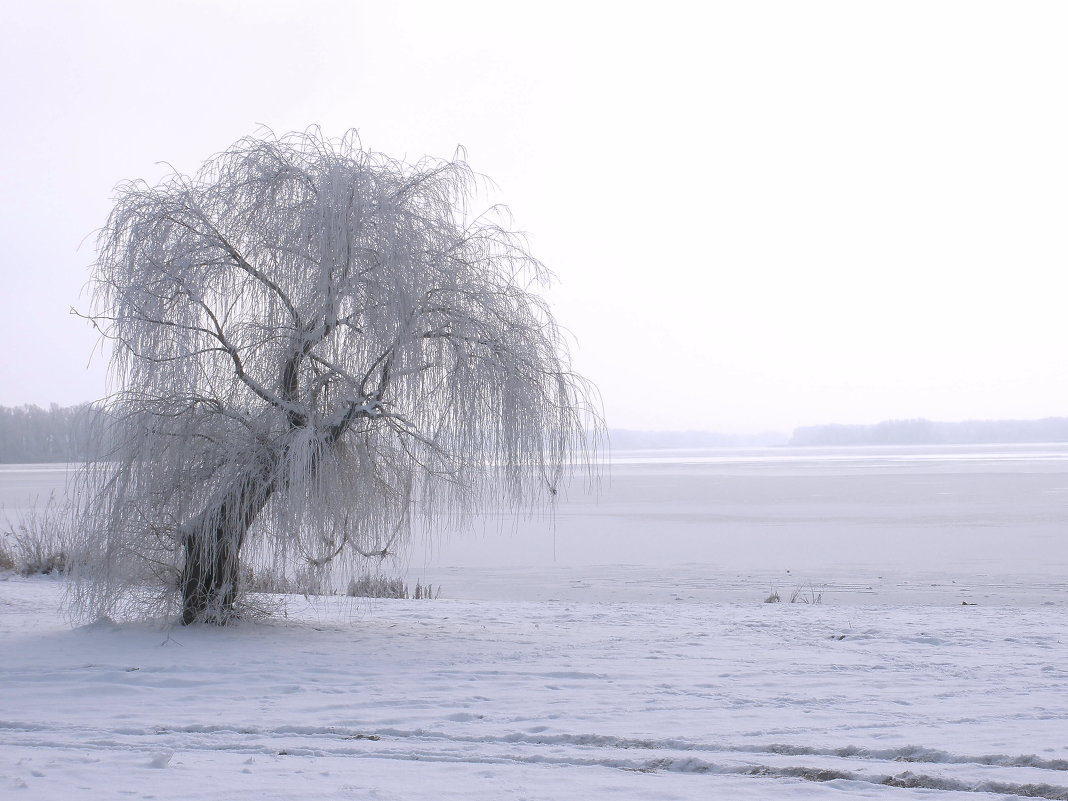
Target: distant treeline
{"type": "Point", "coordinates": [624, 439]}
{"type": "Point", "coordinates": [890, 432]}
{"type": "Point", "coordinates": [70, 434]}
{"type": "Point", "coordinates": [927, 432]}
{"type": "Point", "coordinates": [56, 434]}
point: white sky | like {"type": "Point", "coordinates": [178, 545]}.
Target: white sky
{"type": "Point", "coordinates": [762, 214]}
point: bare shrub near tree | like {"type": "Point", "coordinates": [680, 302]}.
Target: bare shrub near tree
{"type": "Point", "coordinates": [315, 347]}
{"type": "Point", "coordinates": [35, 541]}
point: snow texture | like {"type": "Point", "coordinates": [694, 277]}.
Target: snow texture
{"type": "Point", "coordinates": [487, 700]}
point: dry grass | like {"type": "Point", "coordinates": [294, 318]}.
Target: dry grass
{"type": "Point", "coordinates": [7, 557]}
{"type": "Point", "coordinates": [37, 541]}
{"type": "Point", "coordinates": [800, 595]}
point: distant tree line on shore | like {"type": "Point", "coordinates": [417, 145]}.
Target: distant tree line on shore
{"type": "Point", "coordinates": [31, 434]}
{"type": "Point", "coordinates": [625, 439]}
{"type": "Point", "coordinates": [927, 432]}
{"type": "Point", "coordinates": [57, 434]}
{"type": "Point", "coordinates": [889, 432]}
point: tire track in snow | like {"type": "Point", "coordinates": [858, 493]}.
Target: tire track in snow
{"type": "Point", "coordinates": [909, 753]}
{"type": "Point", "coordinates": [1026, 776]}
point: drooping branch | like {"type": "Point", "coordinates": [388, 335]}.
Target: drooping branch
{"type": "Point", "coordinates": [244, 265]}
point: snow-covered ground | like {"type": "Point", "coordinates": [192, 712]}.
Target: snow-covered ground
{"type": "Point", "coordinates": [642, 663]}
{"type": "Point", "coordinates": [468, 700]}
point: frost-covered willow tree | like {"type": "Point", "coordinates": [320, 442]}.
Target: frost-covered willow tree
{"type": "Point", "coordinates": [313, 346]}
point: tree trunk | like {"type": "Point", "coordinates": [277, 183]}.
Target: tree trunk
{"type": "Point", "coordinates": [213, 553]}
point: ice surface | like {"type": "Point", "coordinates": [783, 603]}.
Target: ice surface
{"type": "Point", "coordinates": [897, 525]}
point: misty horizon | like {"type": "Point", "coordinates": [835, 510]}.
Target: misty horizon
{"type": "Point", "coordinates": [30, 433]}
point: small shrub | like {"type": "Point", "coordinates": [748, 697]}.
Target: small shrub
{"type": "Point", "coordinates": [265, 580]}
{"type": "Point", "coordinates": [37, 541]}
{"type": "Point", "coordinates": [7, 558]}
{"type": "Point", "coordinates": [368, 586]}
{"type": "Point", "coordinates": [774, 598]}
{"type": "Point", "coordinates": [425, 593]}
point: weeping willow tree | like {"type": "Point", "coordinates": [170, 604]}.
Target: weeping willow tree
{"type": "Point", "coordinates": [313, 347]}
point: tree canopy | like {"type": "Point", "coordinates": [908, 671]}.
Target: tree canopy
{"type": "Point", "coordinates": [314, 348]}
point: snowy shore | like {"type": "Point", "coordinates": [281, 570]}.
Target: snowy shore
{"type": "Point", "coordinates": [538, 700]}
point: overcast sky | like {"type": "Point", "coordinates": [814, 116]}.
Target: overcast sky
{"type": "Point", "coordinates": [761, 214]}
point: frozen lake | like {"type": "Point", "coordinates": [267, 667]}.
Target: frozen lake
{"type": "Point", "coordinates": [893, 524]}
{"type": "Point", "coordinates": [899, 523]}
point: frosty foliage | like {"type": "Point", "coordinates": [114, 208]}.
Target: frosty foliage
{"type": "Point", "coordinates": [315, 347]}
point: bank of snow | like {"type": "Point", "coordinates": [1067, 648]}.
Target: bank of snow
{"type": "Point", "coordinates": [483, 699]}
